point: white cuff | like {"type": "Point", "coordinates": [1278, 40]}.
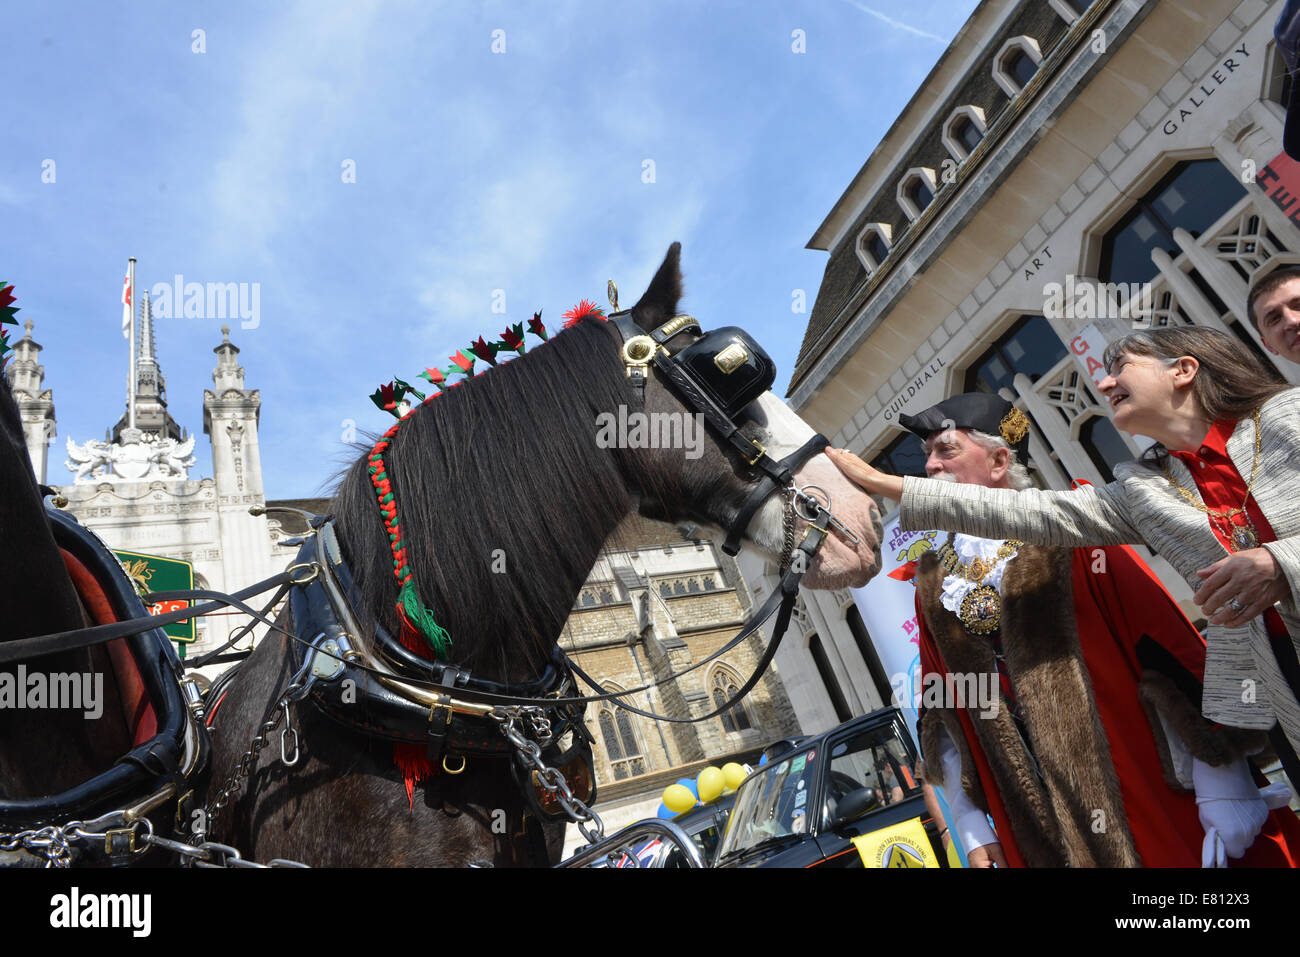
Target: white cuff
{"type": "Point", "coordinates": [970, 823]}
{"type": "Point", "coordinates": [1232, 781]}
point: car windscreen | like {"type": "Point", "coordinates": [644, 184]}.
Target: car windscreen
{"type": "Point", "coordinates": [772, 804]}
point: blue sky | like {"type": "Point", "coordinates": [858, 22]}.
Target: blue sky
{"type": "Point", "coordinates": [475, 171]}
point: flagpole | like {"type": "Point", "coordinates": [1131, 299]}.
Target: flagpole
{"type": "Point", "coordinates": [130, 386]}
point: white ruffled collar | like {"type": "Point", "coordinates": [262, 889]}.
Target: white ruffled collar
{"type": "Point", "coordinates": [968, 548]}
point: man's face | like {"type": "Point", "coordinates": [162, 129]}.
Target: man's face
{"type": "Point", "coordinates": [954, 456]}
{"type": "Point", "coordinates": [1278, 314]}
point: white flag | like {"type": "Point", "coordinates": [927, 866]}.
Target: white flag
{"type": "Point", "coordinates": [126, 306]}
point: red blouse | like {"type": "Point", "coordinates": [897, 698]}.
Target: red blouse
{"type": "Point", "coordinates": [1222, 488]}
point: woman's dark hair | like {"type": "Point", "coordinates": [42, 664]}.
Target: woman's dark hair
{"type": "Point", "coordinates": [1231, 383]}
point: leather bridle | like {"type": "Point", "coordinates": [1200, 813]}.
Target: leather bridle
{"type": "Point", "coordinates": [392, 694]}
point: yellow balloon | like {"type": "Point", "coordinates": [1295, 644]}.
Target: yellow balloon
{"type": "Point", "coordinates": [733, 774]}
{"type": "Point", "coordinates": [678, 798]}
{"type": "Point", "coordinates": [710, 782]}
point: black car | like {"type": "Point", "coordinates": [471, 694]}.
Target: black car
{"type": "Point", "coordinates": [846, 798]}
{"type": "Point", "coordinates": [704, 824]}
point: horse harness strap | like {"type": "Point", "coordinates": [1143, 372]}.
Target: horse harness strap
{"type": "Point", "coordinates": [106, 817]}
{"type": "Point", "coordinates": [380, 698]}
{"type": "Point", "coordinates": [717, 375]}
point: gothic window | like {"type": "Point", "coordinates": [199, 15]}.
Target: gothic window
{"type": "Point", "coordinates": [725, 686]}
{"type": "Point", "coordinates": [833, 691]}
{"type": "Point", "coordinates": [692, 584]}
{"type": "Point", "coordinates": [588, 599]}
{"type": "Point", "coordinates": [626, 758]}
{"type": "Point", "coordinates": [606, 596]}
{"type": "Point", "coordinates": [679, 588]}
{"type": "Point", "coordinates": [666, 589]}
{"type": "Point", "coordinates": [1193, 195]}
{"type": "Point", "coordinates": [709, 584]}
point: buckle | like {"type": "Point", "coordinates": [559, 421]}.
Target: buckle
{"type": "Point", "coordinates": [762, 450]}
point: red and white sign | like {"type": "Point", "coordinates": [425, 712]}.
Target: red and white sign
{"type": "Point", "coordinates": [1280, 179]}
{"type": "Point", "coordinates": [1087, 348]}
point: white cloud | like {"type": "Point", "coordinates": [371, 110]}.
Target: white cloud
{"type": "Point", "coordinates": [896, 24]}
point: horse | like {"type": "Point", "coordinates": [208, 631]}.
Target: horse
{"type": "Point", "coordinates": [506, 496]}
{"type": "Point", "coordinates": [87, 731]}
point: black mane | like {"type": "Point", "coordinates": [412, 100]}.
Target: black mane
{"type": "Point", "coordinates": [550, 491]}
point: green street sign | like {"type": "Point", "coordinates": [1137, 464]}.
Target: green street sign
{"type": "Point", "coordinates": [150, 573]}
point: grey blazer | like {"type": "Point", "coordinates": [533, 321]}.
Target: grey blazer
{"type": "Point", "coordinates": [1243, 684]}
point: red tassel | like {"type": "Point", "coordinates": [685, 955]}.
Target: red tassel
{"type": "Point", "coordinates": [415, 766]}
{"type": "Point", "coordinates": [411, 638]}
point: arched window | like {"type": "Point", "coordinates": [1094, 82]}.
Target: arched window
{"type": "Point", "coordinates": [622, 745]}
{"type": "Point", "coordinates": [666, 589]}
{"type": "Point", "coordinates": [1193, 195]}
{"type": "Point", "coordinates": [916, 191]}
{"type": "Point", "coordinates": [873, 245]}
{"type": "Point", "coordinates": [692, 584]}
{"type": "Point", "coordinates": [963, 131]}
{"type": "Point", "coordinates": [1016, 64]}
{"type": "Point", "coordinates": [725, 686]}
{"type": "Point", "coordinates": [833, 691]}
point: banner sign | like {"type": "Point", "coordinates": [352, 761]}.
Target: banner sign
{"type": "Point", "coordinates": [899, 845]}
{"type": "Point", "coordinates": [150, 573]}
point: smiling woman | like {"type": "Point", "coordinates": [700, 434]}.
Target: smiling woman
{"type": "Point", "coordinates": [1215, 498]}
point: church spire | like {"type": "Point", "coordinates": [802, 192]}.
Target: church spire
{"type": "Point", "coordinates": [149, 389]}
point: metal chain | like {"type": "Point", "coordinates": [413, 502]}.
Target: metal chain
{"type": "Point", "coordinates": [508, 719]}
{"type": "Point", "coordinates": [787, 547]}
{"type": "Point", "coordinates": [54, 842]}
{"type": "Point", "coordinates": [51, 842]}
{"type": "Point", "coordinates": [296, 690]}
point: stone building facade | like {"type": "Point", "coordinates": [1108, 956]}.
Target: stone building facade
{"type": "Point", "coordinates": [658, 601]}
{"type": "Point", "coordinates": [1130, 147]}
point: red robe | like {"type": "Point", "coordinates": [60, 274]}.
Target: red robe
{"type": "Point", "coordinates": [1113, 611]}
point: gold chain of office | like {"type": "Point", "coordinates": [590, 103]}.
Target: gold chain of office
{"type": "Point", "coordinates": [981, 609]}
{"type": "Point", "coordinates": [1240, 537]}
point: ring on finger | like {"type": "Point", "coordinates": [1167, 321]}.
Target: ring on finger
{"type": "Point", "coordinates": [1236, 606]}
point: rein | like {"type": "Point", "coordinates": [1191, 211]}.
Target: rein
{"type": "Point", "coordinates": [400, 695]}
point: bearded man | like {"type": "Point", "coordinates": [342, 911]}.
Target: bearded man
{"type": "Point", "coordinates": [1092, 751]}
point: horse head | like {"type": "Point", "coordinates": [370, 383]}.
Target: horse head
{"type": "Point", "coordinates": [714, 483]}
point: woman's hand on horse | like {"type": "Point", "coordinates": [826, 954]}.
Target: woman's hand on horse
{"type": "Point", "coordinates": [1252, 577]}
{"type": "Point", "coordinates": [869, 479]}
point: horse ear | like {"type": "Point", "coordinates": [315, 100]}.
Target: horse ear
{"type": "Point", "coordinates": [659, 303]}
